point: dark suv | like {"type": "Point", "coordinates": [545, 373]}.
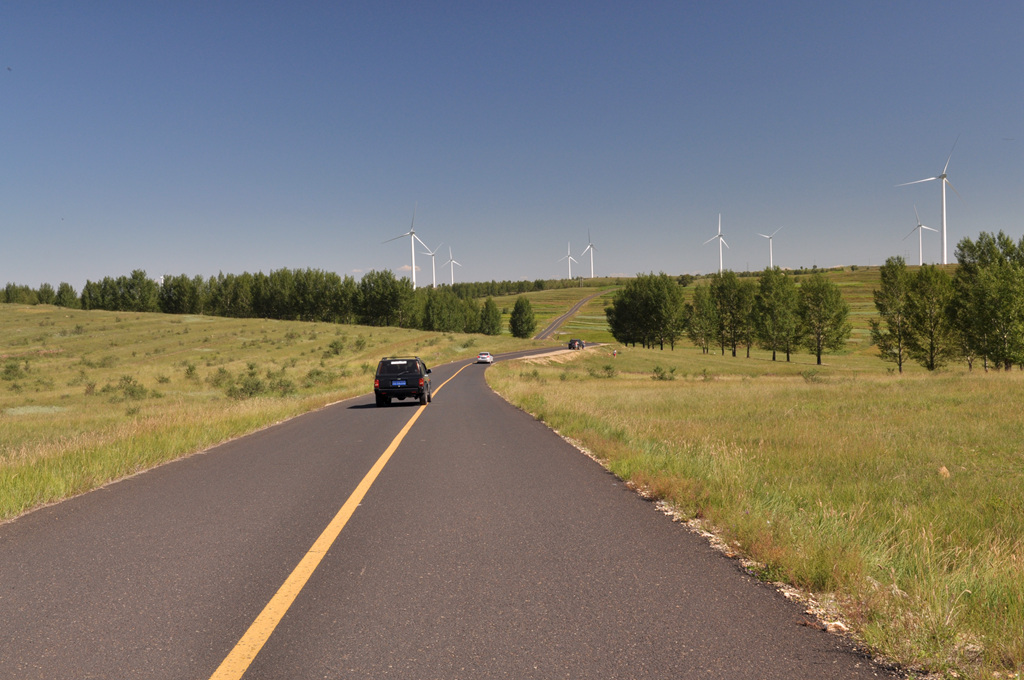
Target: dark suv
{"type": "Point", "coordinates": [401, 378]}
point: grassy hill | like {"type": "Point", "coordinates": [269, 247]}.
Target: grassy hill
{"type": "Point", "coordinates": [896, 501]}
{"type": "Point", "coordinates": [87, 397]}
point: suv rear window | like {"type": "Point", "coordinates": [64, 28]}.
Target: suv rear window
{"type": "Point", "coordinates": [401, 367]}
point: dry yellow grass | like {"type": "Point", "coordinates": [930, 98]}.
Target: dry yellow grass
{"type": "Point", "coordinates": [901, 498]}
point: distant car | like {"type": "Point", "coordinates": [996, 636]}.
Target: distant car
{"type": "Point", "coordinates": [577, 344]}
{"type": "Point", "coordinates": [401, 378]}
{"type": "Point", "coordinates": [484, 358]}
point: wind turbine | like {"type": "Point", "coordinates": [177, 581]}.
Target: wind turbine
{"type": "Point", "coordinates": [771, 260]}
{"type": "Point", "coordinates": [570, 258]}
{"type": "Point", "coordinates": [412, 243]}
{"type": "Point", "coordinates": [451, 261]}
{"type": "Point", "coordinates": [944, 181]}
{"type": "Point", "coordinates": [920, 236]}
{"type": "Point", "coordinates": [433, 271]}
{"type": "Point", "coordinates": [590, 247]}
{"type": "Point", "coordinates": [721, 242]}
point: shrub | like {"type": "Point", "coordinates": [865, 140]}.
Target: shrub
{"type": "Point", "coordinates": [661, 374]}
{"type": "Point", "coordinates": [13, 370]}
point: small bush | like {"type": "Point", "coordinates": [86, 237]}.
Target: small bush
{"type": "Point", "coordinates": [129, 388]}
{"type": "Point", "coordinates": [250, 385]}
{"type": "Point", "coordinates": [661, 374]}
{"type": "Point", "coordinates": [222, 378]}
{"type": "Point", "coordinates": [317, 376]}
{"type": "Point", "coordinates": [14, 370]}
{"type": "Point", "coordinates": [336, 347]}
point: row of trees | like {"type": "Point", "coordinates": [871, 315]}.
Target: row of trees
{"type": "Point", "coordinates": [378, 299]}
{"type": "Point", "coordinates": [730, 312]}
{"type": "Point", "coordinates": [933, 318]}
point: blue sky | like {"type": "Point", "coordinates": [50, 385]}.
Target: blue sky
{"type": "Point", "coordinates": [198, 137]}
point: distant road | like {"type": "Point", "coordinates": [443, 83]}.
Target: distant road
{"type": "Point", "coordinates": [486, 547]}
{"type": "Point", "coordinates": [554, 325]}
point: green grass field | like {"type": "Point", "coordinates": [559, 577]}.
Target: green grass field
{"type": "Point", "coordinates": [549, 304]}
{"type": "Point", "coordinates": [89, 397]}
{"type": "Point", "coordinates": [897, 500]}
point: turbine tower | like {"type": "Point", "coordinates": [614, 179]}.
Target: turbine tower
{"type": "Point", "coordinates": [944, 180]}
{"type": "Point", "coordinates": [590, 247]}
{"type": "Point", "coordinates": [451, 261]}
{"type": "Point", "coordinates": [570, 258]}
{"type": "Point", "coordinates": [920, 236]}
{"type": "Point", "coordinates": [771, 259]}
{"type": "Point", "coordinates": [721, 242]}
{"type": "Point", "coordinates": [412, 243]}
{"type": "Point", "coordinates": [433, 271]}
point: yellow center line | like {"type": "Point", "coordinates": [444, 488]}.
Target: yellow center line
{"type": "Point", "coordinates": [242, 655]}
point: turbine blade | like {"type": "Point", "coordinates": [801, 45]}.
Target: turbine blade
{"type": "Point", "coordinates": [765, 235]}
{"type": "Point", "coordinates": [724, 243]}
{"type": "Point", "coordinates": [930, 229]}
{"type": "Point", "coordinates": [776, 231]}
{"type": "Point", "coordinates": [419, 239]}
{"type": "Point", "coordinates": [950, 155]}
{"type": "Point", "coordinates": [911, 233]}
{"type": "Point", "coordinates": [954, 190]}
{"type": "Point", "coordinates": [916, 215]}
{"type": "Point", "coordinates": [397, 237]}
{"type": "Point", "coordinates": [927, 179]}
{"type": "Point", "coordinates": [710, 239]}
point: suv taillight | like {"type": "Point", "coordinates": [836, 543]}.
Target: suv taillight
{"type": "Point", "coordinates": [422, 382]}
{"type": "Point", "coordinates": [376, 383]}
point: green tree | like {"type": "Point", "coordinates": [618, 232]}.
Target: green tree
{"type": "Point", "coordinates": [987, 306]}
{"type": "Point", "coordinates": [823, 315]}
{"type": "Point", "coordinates": [930, 341]}
{"type": "Point", "coordinates": [729, 308]}
{"type": "Point", "coordinates": [19, 294]}
{"type": "Point", "coordinates": [66, 296]}
{"type": "Point", "coordinates": [92, 295]}
{"type": "Point", "coordinates": [776, 325]}
{"type": "Point", "coordinates": [746, 298]}
{"type": "Point", "coordinates": [470, 316]}
{"type": "Point", "coordinates": [384, 300]}
{"type": "Point", "coordinates": [891, 331]}
{"type": "Point", "coordinates": [649, 309]}
{"type": "Point", "coordinates": [521, 322]}
{"type": "Point", "coordinates": [490, 318]}
{"type": "Point", "coordinates": [46, 295]}
{"type": "Point", "coordinates": [702, 319]}
{"type": "Point", "coordinates": [180, 295]}
{"type": "Point", "coordinates": [138, 292]}
{"type": "Point", "coordinates": [443, 311]}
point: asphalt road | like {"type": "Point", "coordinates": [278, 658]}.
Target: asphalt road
{"type": "Point", "coordinates": [550, 329]}
{"type": "Point", "coordinates": [486, 548]}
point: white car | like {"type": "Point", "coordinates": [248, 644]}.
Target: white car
{"type": "Point", "coordinates": [484, 358]}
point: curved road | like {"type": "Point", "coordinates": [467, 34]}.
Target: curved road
{"type": "Point", "coordinates": [486, 547]}
{"type": "Point", "coordinates": [554, 325]}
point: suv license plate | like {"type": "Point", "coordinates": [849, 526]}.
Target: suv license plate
{"type": "Point", "coordinates": [398, 383]}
